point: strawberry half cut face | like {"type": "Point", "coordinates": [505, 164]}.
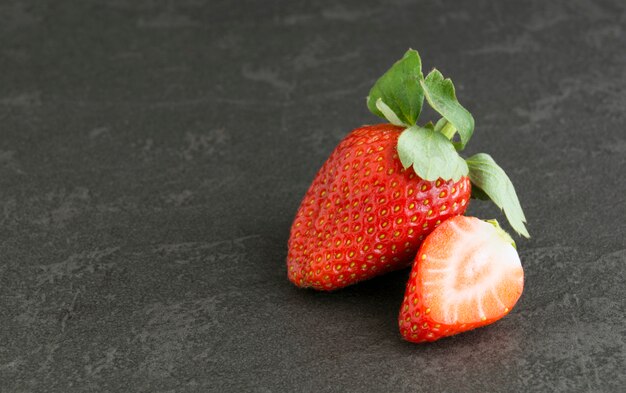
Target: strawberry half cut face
{"type": "Point", "coordinates": [467, 274]}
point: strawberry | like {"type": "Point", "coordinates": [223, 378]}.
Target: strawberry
{"type": "Point", "coordinates": [385, 187]}
{"type": "Point", "coordinates": [365, 214]}
{"type": "Point", "coordinates": [467, 274]}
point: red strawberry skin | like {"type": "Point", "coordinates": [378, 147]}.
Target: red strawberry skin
{"type": "Point", "coordinates": [364, 214]}
{"type": "Point", "coordinates": [416, 321]}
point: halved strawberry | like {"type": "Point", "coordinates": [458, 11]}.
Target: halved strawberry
{"type": "Point", "coordinates": [467, 274]}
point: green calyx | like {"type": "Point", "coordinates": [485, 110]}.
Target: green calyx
{"type": "Point", "coordinates": [433, 151]}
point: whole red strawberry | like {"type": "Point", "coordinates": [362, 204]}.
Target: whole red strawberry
{"type": "Point", "coordinates": [386, 187]}
{"type": "Point", "coordinates": [365, 214]}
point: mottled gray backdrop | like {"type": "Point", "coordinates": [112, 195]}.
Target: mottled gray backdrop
{"type": "Point", "coordinates": [153, 154]}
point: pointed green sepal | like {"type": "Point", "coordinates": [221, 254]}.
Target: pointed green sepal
{"type": "Point", "coordinates": [400, 90]}
{"type": "Point", "coordinates": [441, 96]}
{"type": "Point", "coordinates": [485, 174]}
{"type": "Point", "coordinates": [431, 154]}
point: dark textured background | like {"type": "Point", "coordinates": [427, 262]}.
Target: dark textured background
{"type": "Point", "coordinates": [153, 154]}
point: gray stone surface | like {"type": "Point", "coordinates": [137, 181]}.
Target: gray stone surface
{"type": "Point", "coordinates": [153, 154]}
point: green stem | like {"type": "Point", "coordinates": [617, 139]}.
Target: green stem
{"type": "Point", "coordinates": [448, 130]}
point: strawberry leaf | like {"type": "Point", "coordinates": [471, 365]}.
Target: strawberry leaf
{"type": "Point", "coordinates": [400, 90]}
{"type": "Point", "coordinates": [431, 154]}
{"type": "Point", "coordinates": [486, 175]}
{"type": "Point", "coordinates": [440, 94]}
